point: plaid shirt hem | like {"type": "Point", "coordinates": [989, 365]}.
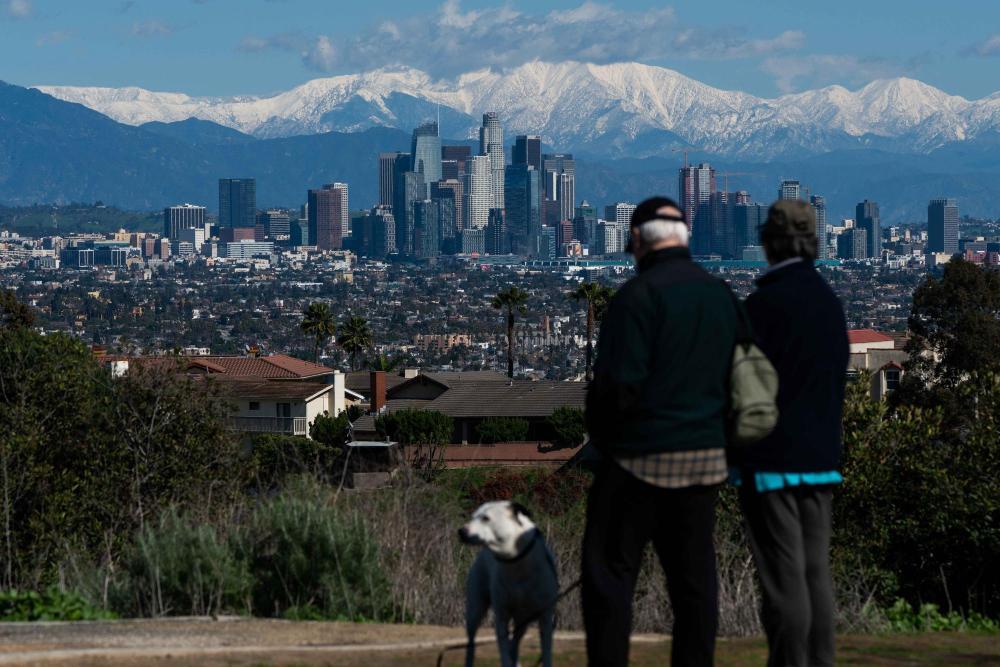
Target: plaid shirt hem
{"type": "Point", "coordinates": [677, 470]}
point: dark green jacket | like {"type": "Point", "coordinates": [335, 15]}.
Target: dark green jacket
{"type": "Point", "coordinates": [662, 372]}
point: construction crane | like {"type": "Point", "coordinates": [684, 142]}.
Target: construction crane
{"type": "Point", "coordinates": [727, 174]}
{"type": "Point", "coordinates": [685, 150]}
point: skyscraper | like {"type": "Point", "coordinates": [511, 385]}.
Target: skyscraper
{"type": "Point", "coordinates": [491, 143]}
{"type": "Point", "coordinates": [523, 214]}
{"type": "Point", "coordinates": [853, 244]}
{"type": "Point", "coordinates": [866, 217]}
{"type": "Point", "coordinates": [386, 176]}
{"type": "Point", "coordinates": [789, 190]}
{"type": "Point", "coordinates": [559, 173]}
{"type": "Point", "coordinates": [497, 238]}
{"type": "Point", "coordinates": [408, 188]}
{"type": "Point", "coordinates": [480, 191]}
{"type": "Point", "coordinates": [425, 150]}
{"type": "Point", "coordinates": [382, 227]}
{"type": "Point", "coordinates": [453, 160]}
{"type": "Point", "coordinates": [185, 216]}
{"type": "Point", "coordinates": [345, 211]}
{"type": "Point", "coordinates": [275, 224]}
{"type": "Point", "coordinates": [722, 238]}
{"type": "Point", "coordinates": [528, 150]}
{"type": "Point", "coordinates": [942, 226]}
{"type": "Point", "coordinates": [455, 191]}
{"type": "Point", "coordinates": [818, 205]}
{"type": "Point", "coordinates": [426, 242]}
{"type": "Point", "coordinates": [326, 216]}
{"type": "Point", "coordinates": [695, 186]}
{"type": "Point", "coordinates": [747, 219]}
{"type": "Point", "coordinates": [585, 222]}
{"type": "Point", "coordinates": [237, 202]}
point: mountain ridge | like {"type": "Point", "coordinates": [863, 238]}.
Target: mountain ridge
{"type": "Point", "coordinates": [614, 110]}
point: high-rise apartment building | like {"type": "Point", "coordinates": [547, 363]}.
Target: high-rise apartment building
{"type": "Point", "coordinates": [185, 216]}
{"type": "Point", "coordinates": [479, 187]}
{"type": "Point", "coordinates": [387, 168]}
{"type": "Point", "coordinates": [528, 150]}
{"type": "Point", "coordinates": [326, 217]}
{"type": "Point", "coordinates": [345, 210]}
{"type": "Point", "coordinates": [237, 202]}
{"type": "Point", "coordinates": [612, 237]}
{"type": "Point", "coordinates": [942, 226]}
{"type": "Point", "coordinates": [866, 217]}
{"type": "Point", "coordinates": [818, 205]}
{"type": "Point", "coordinates": [789, 190]}
{"type": "Point", "coordinates": [523, 212]}
{"type": "Point", "coordinates": [491, 144]}
{"type": "Point", "coordinates": [425, 150]}
{"type": "Point", "coordinates": [695, 184]}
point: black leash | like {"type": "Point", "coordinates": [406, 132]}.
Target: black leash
{"type": "Point", "coordinates": [566, 591]}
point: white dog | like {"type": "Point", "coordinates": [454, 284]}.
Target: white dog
{"type": "Point", "coordinates": [515, 573]}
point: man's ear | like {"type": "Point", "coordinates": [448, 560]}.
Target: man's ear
{"type": "Point", "coordinates": [520, 510]}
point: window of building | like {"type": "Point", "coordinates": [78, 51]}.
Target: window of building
{"type": "Point", "coordinates": [892, 379]}
{"type": "Point", "coordinates": [254, 406]}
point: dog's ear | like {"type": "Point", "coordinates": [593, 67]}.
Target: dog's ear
{"type": "Point", "coordinates": [520, 510]}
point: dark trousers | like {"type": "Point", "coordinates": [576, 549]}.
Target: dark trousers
{"type": "Point", "coordinates": [790, 537]}
{"type": "Point", "coordinates": [623, 515]}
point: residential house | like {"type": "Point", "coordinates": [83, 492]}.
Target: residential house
{"type": "Point", "coordinates": [879, 354]}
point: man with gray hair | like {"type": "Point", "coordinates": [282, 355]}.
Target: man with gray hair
{"type": "Point", "coordinates": [656, 411]}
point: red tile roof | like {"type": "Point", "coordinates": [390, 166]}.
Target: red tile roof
{"type": "Point", "coordinates": [858, 336]}
{"type": "Point", "coordinates": [274, 367]}
{"type": "Point", "coordinates": [506, 454]}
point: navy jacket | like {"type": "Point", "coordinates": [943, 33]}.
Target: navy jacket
{"type": "Point", "coordinates": [799, 324]}
{"type": "Point", "coordinates": [663, 358]}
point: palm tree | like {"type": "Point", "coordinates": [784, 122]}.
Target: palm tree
{"type": "Point", "coordinates": [385, 363]}
{"type": "Point", "coordinates": [318, 322]}
{"type": "Point", "coordinates": [355, 337]}
{"type": "Point", "coordinates": [512, 300]}
{"type": "Point", "coordinates": [597, 296]}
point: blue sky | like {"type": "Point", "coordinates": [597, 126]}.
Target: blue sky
{"type": "Point", "coordinates": [231, 47]}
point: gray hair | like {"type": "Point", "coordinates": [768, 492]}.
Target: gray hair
{"type": "Point", "coordinates": [655, 231]}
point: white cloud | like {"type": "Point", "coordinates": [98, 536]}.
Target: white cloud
{"type": "Point", "coordinates": [988, 47]}
{"type": "Point", "coordinates": [451, 40]}
{"type": "Point", "coordinates": [54, 37]}
{"type": "Point", "coordinates": [151, 28]}
{"type": "Point", "coordinates": [19, 9]}
{"type": "Point", "coordinates": [794, 73]}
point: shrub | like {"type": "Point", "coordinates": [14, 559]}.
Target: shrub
{"type": "Point", "coordinates": [903, 617]}
{"type": "Point", "coordinates": [52, 604]}
{"type": "Point", "coordinates": [181, 567]}
{"type": "Point", "coordinates": [502, 429]}
{"type": "Point", "coordinates": [309, 561]}
{"type": "Point", "coordinates": [568, 426]}
{"type": "Point", "coordinates": [416, 427]}
{"type": "Point", "coordinates": [274, 457]}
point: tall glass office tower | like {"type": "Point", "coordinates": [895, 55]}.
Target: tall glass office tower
{"type": "Point", "coordinates": [425, 150]}
{"type": "Point", "coordinates": [237, 202]}
{"type": "Point", "coordinates": [491, 143]}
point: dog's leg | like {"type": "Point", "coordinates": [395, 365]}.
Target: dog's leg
{"type": "Point", "coordinates": [476, 606]}
{"type": "Point", "coordinates": [546, 628]}
{"type": "Point", "coordinates": [515, 646]}
{"type": "Point", "coordinates": [502, 625]}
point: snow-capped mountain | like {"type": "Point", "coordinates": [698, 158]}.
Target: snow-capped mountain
{"type": "Point", "coordinates": [625, 109]}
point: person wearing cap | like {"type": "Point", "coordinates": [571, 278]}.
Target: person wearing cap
{"type": "Point", "coordinates": [655, 410]}
{"type": "Point", "coordinates": [786, 479]}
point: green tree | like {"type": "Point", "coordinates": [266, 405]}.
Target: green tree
{"type": "Point", "coordinates": [568, 426]}
{"type": "Point", "coordinates": [355, 337]}
{"type": "Point", "coordinates": [318, 322]}
{"type": "Point", "coordinates": [13, 313]}
{"type": "Point", "coordinates": [954, 338]}
{"type": "Point", "coordinates": [423, 433]}
{"type": "Point", "coordinates": [597, 296]}
{"type": "Point", "coordinates": [385, 363]}
{"type": "Point", "coordinates": [513, 301]}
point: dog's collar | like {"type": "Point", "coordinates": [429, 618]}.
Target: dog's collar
{"type": "Point", "coordinates": [531, 545]}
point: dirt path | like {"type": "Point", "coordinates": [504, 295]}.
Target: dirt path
{"type": "Point", "coordinates": [258, 642]}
